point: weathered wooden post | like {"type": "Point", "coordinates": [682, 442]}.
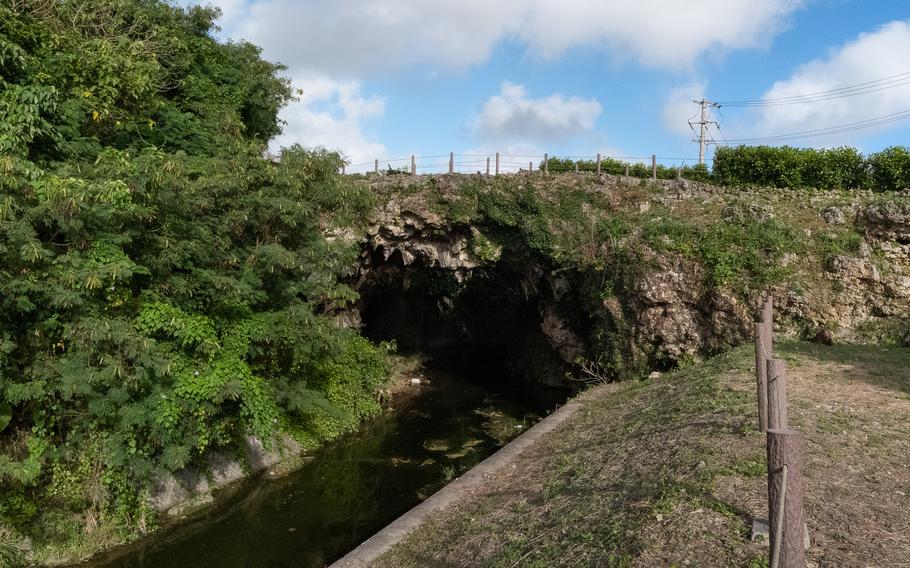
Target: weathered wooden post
{"type": "Point", "coordinates": [576, 166]}
{"type": "Point", "coordinates": [530, 167]}
{"type": "Point", "coordinates": [627, 170]}
{"type": "Point", "coordinates": [546, 164]}
{"type": "Point", "coordinates": [786, 519]}
{"type": "Point", "coordinates": [777, 394]}
{"type": "Point", "coordinates": [598, 163]}
{"type": "Point", "coordinates": [376, 166]}
{"type": "Point", "coordinates": [413, 165]}
{"type": "Point", "coordinates": [488, 165]}
{"type": "Point", "coordinates": [678, 173]}
{"type": "Point", "coordinates": [761, 375]}
{"type": "Point", "coordinates": [767, 318]}
{"type": "Point", "coordinates": [497, 163]}
{"type": "Point", "coordinates": [654, 166]}
{"type": "Point", "coordinates": [451, 162]}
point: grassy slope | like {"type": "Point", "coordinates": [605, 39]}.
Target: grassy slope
{"type": "Point", "coordinates": [669, 472]}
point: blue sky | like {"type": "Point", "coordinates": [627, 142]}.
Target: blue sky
{"type": "Point", "coordinates": [390, 78]}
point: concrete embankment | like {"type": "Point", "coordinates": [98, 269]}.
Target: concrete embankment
{"type": "Point", "coordinates": [462, 487]}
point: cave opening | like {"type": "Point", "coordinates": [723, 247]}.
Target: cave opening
{"type": "Point", "coordinates": [482, 324]}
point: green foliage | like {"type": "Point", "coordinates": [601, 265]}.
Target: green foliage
{"type": "Point", "coordinates": [6, 414]}
{"type": "Point", "coordinates": [890, 169]}
{"type": "Point", "coordinates": [772, 166]}
{"type": "Point", "coordinates": [163, 288]}
{"type": "Point", "coordinates": [698, 172]}
{"type": "Point", "coordinates": [835, 168]}
{"type": "Point", "coordinates": [838, 243]}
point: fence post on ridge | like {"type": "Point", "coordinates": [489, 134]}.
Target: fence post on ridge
{"type": "Point", "coordinates": [488, 165]}
{"type": "Point", "coordinates": [376, 166]}
{"type": "Point", "coordinates": [413, 165]}
{"type": "Point", "coordinates": [546, 164]}
{"type": "Point", "coordinates": [627, 170]}
{"type": "Point", "coordinates": [598, 163]}
{"type": "Point", "coordinates": [786, 518]}
{"type": "Point", "coordinates": [654, 166]}
{"type": "Point", "coordinates": [761, 375]}
{"type": "Point", "coordinates": [497, 163]}
{"type": "Point", "coordinates": [777, 394]}
{"type": "Point", "coordinates": [451, 162]}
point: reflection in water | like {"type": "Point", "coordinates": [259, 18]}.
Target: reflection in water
{"type": "Point", "coordinates": [350, 490]}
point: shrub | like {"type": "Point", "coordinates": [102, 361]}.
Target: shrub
{"type": "Point", "coordinates": [163, 288]}
{"type": "Point", "coordinates": [890, 169]}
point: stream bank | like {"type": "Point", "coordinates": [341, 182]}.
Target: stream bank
{"type": "Point", "coordinates": [352, 487]}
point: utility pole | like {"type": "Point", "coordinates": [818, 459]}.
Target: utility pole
{"type": "Point", "coordinates": [702, 139]}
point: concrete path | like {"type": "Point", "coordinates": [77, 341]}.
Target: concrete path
{"type": "Point", "coordinates": [465, 485]}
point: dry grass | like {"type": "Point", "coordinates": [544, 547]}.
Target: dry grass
{"type": "Point", "coordinates": [670, 472]}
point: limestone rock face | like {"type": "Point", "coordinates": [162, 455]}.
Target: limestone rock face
{"type": "Point", "coordinates": [560, 336]}
{"type": "Point", "coordinates": [834, 215]}
{"type": "Point", "coordinates": [887, 220]}
{"type": "Point", "coordinates": [670, 311]}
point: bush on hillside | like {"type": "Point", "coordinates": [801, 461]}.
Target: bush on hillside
{"type": "Point", "coordinates": [163, 288]}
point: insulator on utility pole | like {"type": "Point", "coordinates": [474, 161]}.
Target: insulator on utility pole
{"type": "Point", "coordinates": [703, 123]}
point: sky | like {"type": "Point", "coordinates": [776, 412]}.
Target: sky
{"type": "Point", "coordinates": [385, 79]}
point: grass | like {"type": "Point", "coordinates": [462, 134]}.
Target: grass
{"type": "Point", "coordinates": [670, 472]}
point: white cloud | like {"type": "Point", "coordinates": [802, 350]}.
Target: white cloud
{"type": "Point", "coordinates": [679, 108]}
{"type": "Point", "coordinates": [871, 56]}
{"type": "Point", "coordinates": [657, 33]}
{"type": "Point", "coordinates": [329, 41]}
{"type": "Point", "coordinates": [330, 114]}
{"type": "Point", "coordinates": [357, 36]}
{"type": "Point", "coordinates": [513, 116]}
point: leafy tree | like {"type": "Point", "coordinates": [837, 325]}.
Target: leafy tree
{"type": "Point", "coordinates": [164, 289]}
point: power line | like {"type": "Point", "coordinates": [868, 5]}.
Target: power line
{"type": "Point", "coordinates": [839, 129]}
{"type": "Point", "coordinates": [893, 81]}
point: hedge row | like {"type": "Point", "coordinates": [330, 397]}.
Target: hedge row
{"type": "Point", "coordinates": [775, 166]}
{"type": "Point", "coordinates": [617, 167]}
{"type": "Point", "coordinates": [836, 168]}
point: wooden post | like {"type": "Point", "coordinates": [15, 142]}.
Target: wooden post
{"type": "Point", "coordinates": [598, 163]}
{"type": "Point", "coordinates": [376, 166]}
{"type": "Point", "coordinates": [678, 173]}
{"type": "Point", "coordinates": [654, 166]}
{"type": "Point", "coordinates": [530, 167]}
{"type": "Point", "coordinates": [546, 164]}
{"type": "Point", "coordinates": [627, 170]}
{"type": "Point", "coordinates": [576, 166]}
{"type": "Point", "coordinates": [777, 394]}
{"type": "Point", "coordinates": [413, 165]}
{"type": "Point", "coordinates": [785, 483]}
{"type": "Point", "coordinates": [451, 162]}
{"type": "Point", "coordinates": [767, 318]}
{"type": "Point", "coordinates": [497, 163]}
{"type": "Point", "coordinates": [761, 375]}
{"type": "Point", "coordinates": [488, 165]}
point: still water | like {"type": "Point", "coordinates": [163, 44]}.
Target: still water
{"type": "Point", "coordinates": [351, 488]}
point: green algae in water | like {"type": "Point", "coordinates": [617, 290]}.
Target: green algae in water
{"type": "Point", "coordinates": [351, 489]}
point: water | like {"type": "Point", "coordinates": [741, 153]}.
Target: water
{"type": "Point", "coordinates": [352, 488]}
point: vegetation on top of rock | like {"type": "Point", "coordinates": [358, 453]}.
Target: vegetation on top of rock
{"type": "Point", "coordinates": [772, 166]}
